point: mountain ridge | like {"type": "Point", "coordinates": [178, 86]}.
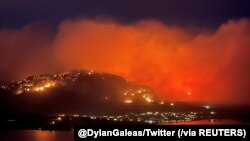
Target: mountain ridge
{"type": "Point", "coordinates": [76, 90]}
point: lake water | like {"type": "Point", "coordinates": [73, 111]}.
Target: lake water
{"type": "Point", "coordinates": [39, 135]}
{"type": "Point", "coordinates": [36, 135]}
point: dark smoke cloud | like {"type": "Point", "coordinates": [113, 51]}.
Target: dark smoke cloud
{"type": "Point", "coordinates": [25, 51]}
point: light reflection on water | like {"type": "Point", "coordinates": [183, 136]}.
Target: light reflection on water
{"type": "Point", "coordinates": [39, 135]}
{"type": "Point", "coordinates": [36, 135]}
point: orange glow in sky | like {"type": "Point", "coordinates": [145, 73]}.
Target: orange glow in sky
{"type": "Point", "coordinates": [180, 64]}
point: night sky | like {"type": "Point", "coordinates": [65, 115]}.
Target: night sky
{"type": "Point", "coordinates": [186, 50]}
{"type": "Point", "coordinates": [205, 13]}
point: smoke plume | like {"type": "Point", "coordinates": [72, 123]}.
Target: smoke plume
{"type": "Point", "coordinates": [179, 64]}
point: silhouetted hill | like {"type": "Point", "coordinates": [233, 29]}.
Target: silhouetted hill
{"type": "Point", "coordinates": [70, 92]}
